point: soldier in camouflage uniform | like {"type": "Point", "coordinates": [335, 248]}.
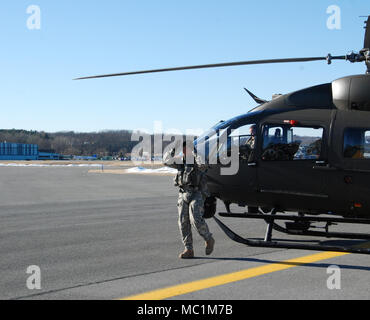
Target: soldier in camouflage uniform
{"type": "Point", "coordinates": [191, 181]}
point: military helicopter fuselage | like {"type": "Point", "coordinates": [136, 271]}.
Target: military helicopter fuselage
{"type": "Point", "coordinates": [320, 163]}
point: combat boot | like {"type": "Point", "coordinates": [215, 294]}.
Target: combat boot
{"type": "Point", "coordinates": [187, 254]}
{"type": "Point", "coordinates": [209, 246]}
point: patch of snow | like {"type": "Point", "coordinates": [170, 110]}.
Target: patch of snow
{"type": "Point", "coordinates": [48, 165]}
{"type": "Point", "coordinates": [150, 171]}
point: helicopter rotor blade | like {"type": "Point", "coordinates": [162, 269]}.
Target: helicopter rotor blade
{"type": "Point", "coordinates": [367, 34]}
{"type": "Point", "coordinates": [217, 65]}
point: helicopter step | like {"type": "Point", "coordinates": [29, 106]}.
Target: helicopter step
{"type": "Point", "coordinates": [292, 229]}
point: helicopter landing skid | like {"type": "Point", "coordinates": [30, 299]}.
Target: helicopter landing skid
{"type": "Point", "coordinates": [301, 224]}
{"type": "Point", "coordinates": [271, 225]}
{"type": "Point", "coordinates": [326, 234]}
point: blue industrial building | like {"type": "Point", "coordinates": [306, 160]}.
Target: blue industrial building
{"type": "Point", "coordinates": [21, 151]}
{"type": "Point", "coordinates": [18, 151]}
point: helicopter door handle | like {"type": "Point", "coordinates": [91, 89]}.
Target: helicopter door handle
{"type": "Point", "coordinates": [321, 162]}
{"type": "Point", "coordinates": [322, 165]}
{"type": "Point", "coordinates": [252, 164]}
{"type": "Point", "coordinates": [325, 167]}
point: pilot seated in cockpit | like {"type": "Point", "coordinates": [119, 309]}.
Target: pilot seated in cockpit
{"type": "Point", "coordinates": [246, 150]}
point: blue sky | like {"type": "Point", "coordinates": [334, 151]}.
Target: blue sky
{"type": "Point", "coordinates": [81, 38]}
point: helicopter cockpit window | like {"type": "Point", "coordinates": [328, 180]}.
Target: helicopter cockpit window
{"type": "Point", "coordinates": [356, 143]}
{"type": "Point", "coordinates": [285, 142]}
{"type": "Point", "coordinates": [245, 138]}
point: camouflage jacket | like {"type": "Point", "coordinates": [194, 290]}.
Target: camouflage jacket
{"type": "Point", "coordinates": [189, 177]}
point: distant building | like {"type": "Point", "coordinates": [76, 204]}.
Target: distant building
{"type": "Point", "coordinates": [94, 157]}
{"type": "Point", "coordinates": [48, 156]}
{"type": "Point", "coordinates": [21, 151]}
{"type": "Point", "coordinates": [18, 151]}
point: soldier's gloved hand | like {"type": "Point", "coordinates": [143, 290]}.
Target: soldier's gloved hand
{"type": "Point", "coordinates": [170, 160]}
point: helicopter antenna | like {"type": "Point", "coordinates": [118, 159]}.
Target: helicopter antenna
{"type": "Point", "coordinates": [255, 98]}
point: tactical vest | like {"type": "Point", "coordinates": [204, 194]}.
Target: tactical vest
{"type": "Point", "coordinates": [188, 177]}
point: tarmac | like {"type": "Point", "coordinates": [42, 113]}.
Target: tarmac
{"type": "Point", "coordinates": [97, 235]}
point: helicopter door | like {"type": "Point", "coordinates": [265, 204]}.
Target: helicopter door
{"type": "Point", "coordinates": [352, 161]}
{"type": "Point", "coordinates": [289, 152]}
{"type": "Point", "coordinates": [243, 184]}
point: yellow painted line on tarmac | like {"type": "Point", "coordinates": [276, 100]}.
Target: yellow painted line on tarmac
{"type": "Point", "coordinates": [220, 280]}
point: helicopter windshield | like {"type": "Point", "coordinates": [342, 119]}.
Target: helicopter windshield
{"type": "Point", "coordinates": [224, 125]}
{"type": "Point", "coordinates": [207, 144]}
{"type": "Point", "coordinates": [213, 131]}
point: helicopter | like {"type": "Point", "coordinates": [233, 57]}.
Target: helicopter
{"type": "Point", "coordinates": [311, 155]}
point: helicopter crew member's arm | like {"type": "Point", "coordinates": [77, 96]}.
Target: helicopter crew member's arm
{"type": "Point", "coordinates": [172, 161]}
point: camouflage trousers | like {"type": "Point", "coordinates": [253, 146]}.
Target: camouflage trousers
{"type": "Point", "coordinates": [191, 209]}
